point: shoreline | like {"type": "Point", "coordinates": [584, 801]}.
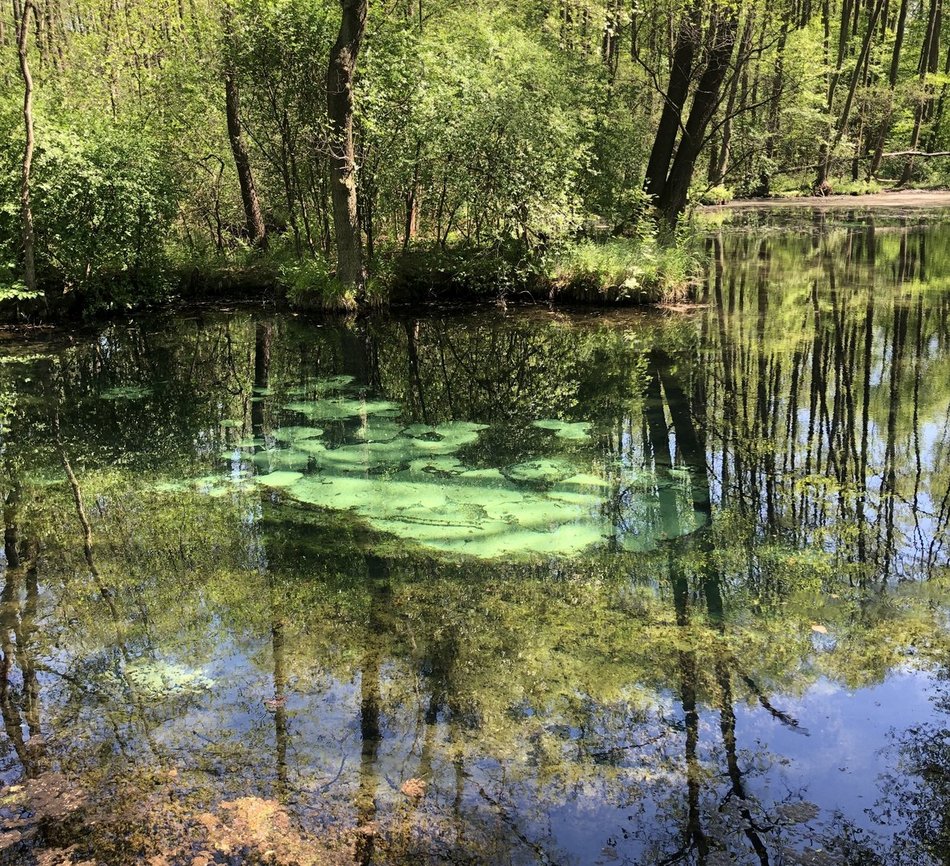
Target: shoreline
{"type": "Point", "coordinates": [926, 199]}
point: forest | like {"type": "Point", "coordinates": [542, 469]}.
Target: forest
{"type": "Point", "coordinates": [352, 154]}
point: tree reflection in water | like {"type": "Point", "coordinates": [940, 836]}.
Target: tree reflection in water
{"type": "Point", "coordinates": [749, 668]}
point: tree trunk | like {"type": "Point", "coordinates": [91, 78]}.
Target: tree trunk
{"type": "Point", "coordinates": [687, 39]}
{"type": "Point", "coordinates": [412, 203]}
{"type": "Point", "coordinates": [719, 159]}
{"type": "Point", "coordinates": [256, 232]}
{"type": "Point", "coordinates": [892, 81]}
{"type": "Point", "coordinates": [26, 210]}
{"type": "Point", "coordinates": [925, 53]}
{"type": "Point", "coordinates": [342, 161]}
{"type": "Point", "coordinates": [672, 201]}
{"type": "Point", "coordinates": [778, 85]}
{"type": "Point", "coordinates": [938, 115]}
{"type": "Point", "coordinates": [933, 60]}
{"type": "Point", "coordinates": [827, 152]}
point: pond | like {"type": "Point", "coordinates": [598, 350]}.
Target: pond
{"type": "Point", "coordinates": [497, 586]}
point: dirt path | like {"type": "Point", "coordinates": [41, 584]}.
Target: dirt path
{"type": "Point", "coordinates": [898, 199]}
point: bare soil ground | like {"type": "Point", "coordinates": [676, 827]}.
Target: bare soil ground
{"type": "Point", "coordinates": [896, 199]}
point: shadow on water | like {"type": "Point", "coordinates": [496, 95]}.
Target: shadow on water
{"type": "Point", "coordinates": [529, 588]}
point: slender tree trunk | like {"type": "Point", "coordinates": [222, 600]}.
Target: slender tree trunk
{"type": "Point", "coordinates": [778, 85]}
{"type": "Point", "coordinates": [340, 75]}
{"type": "Point", "coordinates": [412, 202]}
{"type": "Point", "coordinates": [256, 232]}
{"type": "Point", "coordinates": [684, 53]}
{"type": "Point", "coordinates": [892, 81]}
{"type": "Point", "coordinates": [828, 150]}
{"type": "Point", "coordinates": [925, 54]}
{"type": "Point", "coordinates": [672, 201]}
{"type": "Point", "coordinates": [933, 59]}
{"type": "Point", "coordinates": [719, 160]}
{"type": "Point", "coordinates": [26, 209]}
{"type": "Point", "coordinates": [938, 115]}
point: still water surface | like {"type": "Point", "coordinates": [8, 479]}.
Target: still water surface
{"type": "Point", "coordinates": [661, 587]}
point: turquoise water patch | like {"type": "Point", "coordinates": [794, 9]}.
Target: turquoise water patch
{"type": "Point", "coordinates": [425, 484]}
{"type": "Point", "coordinates": [577, 430]}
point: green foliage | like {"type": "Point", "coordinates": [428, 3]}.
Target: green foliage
{"type": "Point", "coordinates": [310, 284]}
{"type": "Point", "coordinates": [478, 111]}
{"type": "Point", "coordinates": [492, 141]}
{"type": "Point", "coordinates": [716, 195]}
{"type": "Point", "coordinates": [103, 201]}
{"type": "Point", "coordinates": [16, 291]}
{"type": "Point", "coordinates": [626, 269]}
{"type": "Point", "coordinates": [463, 272]}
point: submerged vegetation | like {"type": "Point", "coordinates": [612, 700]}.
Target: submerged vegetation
{"type": "Point", "coordinates": [390, 590]}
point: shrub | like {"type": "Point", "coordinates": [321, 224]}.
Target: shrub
{"type": "Point", "coordinates": [311, 285]}
{"type": "Point", "coordinates": [716, 195]}
{"type": "Point", "coordinates": [103, 202]}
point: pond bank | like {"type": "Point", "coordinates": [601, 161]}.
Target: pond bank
{"type": "Point", "coordinates": [598, 272]}
{"type": "Point", "coordinates": [910, 198]}
{"type": "Point", "coordinates": [613, 272]}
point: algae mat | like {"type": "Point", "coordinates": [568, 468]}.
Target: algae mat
{"type": "Point", "coordinates": [350, 452]}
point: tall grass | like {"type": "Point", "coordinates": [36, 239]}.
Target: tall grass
{"type": "Point", "coordinates": [625, 270]}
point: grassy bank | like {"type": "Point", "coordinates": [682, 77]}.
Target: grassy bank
{"type": "Point", "coordinates": [608, 272]}
{"type": "Point", "coordinates": [617, 271]}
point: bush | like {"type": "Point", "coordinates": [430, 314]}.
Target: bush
{"type": "Point", "coordinates": [464, 273]}
{"type": "Point", "coordinates": [310, 284]}
{"type": "Point", "coordinates": [103, 202]}
{"type": "Point", "coordinates": [716, 195]}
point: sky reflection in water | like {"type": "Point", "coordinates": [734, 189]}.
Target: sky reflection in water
{"type": "Point", "coordinates": [625, 587]}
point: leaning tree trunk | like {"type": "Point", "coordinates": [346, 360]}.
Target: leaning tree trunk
{"type": "Point", "coordinates": [256, 232]}
{"type": "Point", "coordinates": [672, 201]}
{"type": "Point", "coordinates": [349, 247]}
{"type": "Point", "coordinates": [26, 209]}
{"type": "Point", "coordinates": [681, 71]}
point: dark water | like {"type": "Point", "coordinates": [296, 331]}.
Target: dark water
{"type": "Point", "coordinates": [665, 587]}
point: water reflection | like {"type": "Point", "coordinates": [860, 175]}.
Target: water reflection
{"type": "Point", "coordinates": [747, 663]}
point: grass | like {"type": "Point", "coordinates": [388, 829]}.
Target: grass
{"type": "Point", "coordinates": [786, 186]}
{"type": "Point", "coordinates": [611, 272]}
{"type": "Point", "coordinates": [624, 270]}
{"type": "Point", "coordinates": [859, 187]}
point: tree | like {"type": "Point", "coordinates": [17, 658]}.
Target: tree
{"type": "Point", "coordinates": [340, 74]}
{"type": "Point", "coordinates": [674, 101]}
{"type": "Point", "coordinates": [256, 232]}
{"type": "Point", "coordinates": [671, 202]}
{"type": "Point", "coordinates": [26, 210]}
